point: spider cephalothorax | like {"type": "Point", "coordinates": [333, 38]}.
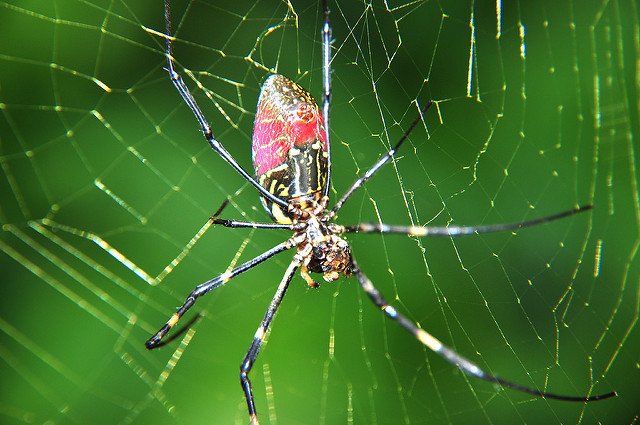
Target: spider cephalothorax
{"type": "Point", "coordinates": [322, 249]}
{"type": "Point", "coordinates": [292, 167]}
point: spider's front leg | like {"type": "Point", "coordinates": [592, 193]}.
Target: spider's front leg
{"type": "Point", "coordinates": [261, 332]}
{"type": "Point", "coordinates": [156, 340]}
{"type": "Point", "coordinates": [448, 231]}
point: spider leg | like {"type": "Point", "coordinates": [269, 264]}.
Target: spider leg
{"type": "Point", "coordinates": [371, 171]}
{"type": "Point", "coordinates": [239, 224]}
{"type": "Point", "coordinates": [261, 332]}
{"type": "Point", "coordinates": [179, 84]}
{"type": "Point", "coordinates": [450, 355]}
{"type": "Point", "coordinates": [456, 230]}
{"type": "Point", "coordinates": [326, 84]}
{"type": "Point", "coordinates": [209, 285]}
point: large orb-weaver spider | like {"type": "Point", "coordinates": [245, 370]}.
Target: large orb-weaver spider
{"type": "Point", "coordinates": [291, 156]}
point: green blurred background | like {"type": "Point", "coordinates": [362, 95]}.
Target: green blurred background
{"type": "Point", "coordinates": [102, 191]}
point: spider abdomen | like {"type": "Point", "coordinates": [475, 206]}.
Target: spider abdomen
{"type": "Point", "coordinates": [290, 154]}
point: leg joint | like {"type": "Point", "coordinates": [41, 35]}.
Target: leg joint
{"type": "Point", "coordinates": [245, 367]}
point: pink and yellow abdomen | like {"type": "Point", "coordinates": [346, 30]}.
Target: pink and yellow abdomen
{"type": "Point", "coordinates": [290, 153]}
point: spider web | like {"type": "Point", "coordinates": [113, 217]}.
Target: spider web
{"type": "Point", "coordinates": [107, 184]}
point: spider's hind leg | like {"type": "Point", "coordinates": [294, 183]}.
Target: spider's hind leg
{"type": "Point", "coordinates": [261, 333]}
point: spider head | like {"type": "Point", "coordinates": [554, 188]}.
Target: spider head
{"type": "Point", "coordinates": [330, 254]}
{"type": "Point", "coordinates": [336, 259]}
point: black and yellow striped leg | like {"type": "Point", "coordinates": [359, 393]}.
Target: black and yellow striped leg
{"type": "Point", "coordinates": [155, 340]}
{"type": "Point", "coordinates": [258, 338]}
{"type": "Point", "coordinates": [188, 98]}
{"type": "Point", "coordinates": [244, 224]}
{"type": "Point", "coordinates": [448, 354]}
{"type": "Point", "coordinates": [240, 224]}
{"type": "Point", "coordinates": [456, 230]}
{"type": "Point", "coordinates": [371, 171]}
{"type": "Point", "coordinates": [326, 86]}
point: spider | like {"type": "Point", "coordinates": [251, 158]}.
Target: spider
{"type": "Point", "coordinates": [292, 161]}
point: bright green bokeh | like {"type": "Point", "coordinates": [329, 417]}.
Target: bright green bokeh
{"type": "Point", "coordinates": [101, 190]}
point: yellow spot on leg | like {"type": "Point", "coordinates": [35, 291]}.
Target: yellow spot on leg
{"type": "Point", "coordinates": [429, 340]}
{"type": "Point", "coordinates": [225, 277]}
{"type": "Point", "coordinates": [417, 231]}
{"type": "Point", "coordinates": [174, 319]}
